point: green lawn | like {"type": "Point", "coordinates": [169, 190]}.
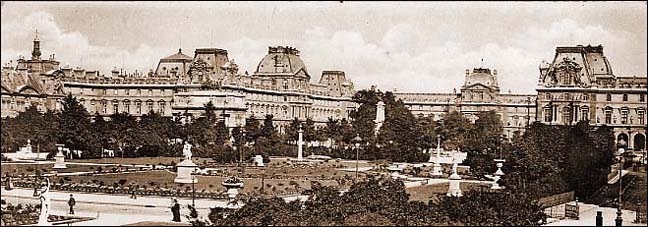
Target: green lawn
{"type": "Point", "coordinates": [425, 192]}
{"type": "Point", "coordinates": [209, 183]}
{"type": "Point", "coordinates": [29, 169]}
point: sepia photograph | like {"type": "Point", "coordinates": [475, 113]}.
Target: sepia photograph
{"type": "Point", "coordinates": [323, 113]}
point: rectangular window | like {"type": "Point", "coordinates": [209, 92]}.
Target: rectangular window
{"type": "Point", "coordinates": [585, 114]}
{"type": "Point", "coordinates": [150, 92]}
{"type": "Point", "coordinates": [161, 107]}
{"type": "Point", "coordinates": [105, 107]}
{"type": "Point", "coordinates": [625, 97]}
{"type": "Point", "coordinates": [115, 107]}
{"type": "Point", "coordinates": [115, 91]}
{"type": "Point", "coordinates": [127, 91]}
{"type": "Point", "coordinates": [150, 106]}
{"type": "Point", "coordinates": [641, 117]}
{"type": "Point", "coordinates": [127, 107]}
{"type": "Point", "coordinates": [642, 98]}
{"type": "Point", "coordinates": [138, 107]}
{"type": "Point", "coordinates": [566, 115]}
{"type": "Point", "coordinates": [608, 117]}
{"type": "Point", "coordinates": [609, 98]}
{"type": "Point", "coordinates": [624, 117]}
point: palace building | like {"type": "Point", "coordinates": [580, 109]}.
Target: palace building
{"type": "Point", "coordinates": [480, 92]}
{"type": "Point", "coordinates": [181, 85]}
{"type": "Point", "coordinates": [577, 85]}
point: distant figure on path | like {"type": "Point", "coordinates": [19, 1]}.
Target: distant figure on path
{"type": "Point", "coordinates": [71, 203]}
{"type": "Point", "coordinates": [175, 209]}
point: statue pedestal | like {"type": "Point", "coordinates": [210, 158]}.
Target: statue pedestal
{"type": "Point", "coordinates": [42, 220]}
{"type": "Point", "coordinates": [258, 161]}
{"type": "Point", "coordinates": [454, 176]}
{"type": "Point", "coordinates": [185, 169]}
{"type": "Point", "coordinates": [455, 188]}
{"type": "Point", "coordinates": [60, 161]}
{"type": "Point", "coordinates": [436, 170]}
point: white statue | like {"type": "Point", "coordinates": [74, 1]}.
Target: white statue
{"type": "Point", "coordinates": [28, 147]}
{"type": "Point", "coordinates": [45, 204]}
{"type": "Point", "coordinates": [186, 151]}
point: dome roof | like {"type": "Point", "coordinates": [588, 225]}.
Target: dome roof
{"type": "Point", "coordinates": [481, 76]}
{"type": "Point", "coordinates": [282, 61]}
{"type": "Point", "coordinates": [178, 56]}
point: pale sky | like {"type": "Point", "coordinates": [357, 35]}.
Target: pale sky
{"type": "Point", "coordinates": [408, 46]}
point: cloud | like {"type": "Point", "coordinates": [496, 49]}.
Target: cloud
{"type": "Point", "coordinates": [403, 57]}
{"type": "Point", "coordinates": [72, 47]}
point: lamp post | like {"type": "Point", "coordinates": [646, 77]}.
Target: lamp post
{"type": "Point", "coordinates": [193, 188]}
{"type": "Point", "coordinates": [621, 145]}
{"type": "Point", "coordinates": [242, 153]}
{"type": "Point", "coordinates": [528, 111]}
{"type": "Point", "coordinates": [357, 141]}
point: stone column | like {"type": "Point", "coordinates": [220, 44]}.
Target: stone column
{"type": "Point", "coordinates": [380, 116]}
{"type": "Point", "coordinates": [436, 168]}
{"type": "Point", "coordinates": [300, 144]}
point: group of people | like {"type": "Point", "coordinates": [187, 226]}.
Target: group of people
{"type": "Point", "coordinates": [175, 207]}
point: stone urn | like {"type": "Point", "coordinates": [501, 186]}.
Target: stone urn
{"type": "Point", "coordinates": [232, 185]}
{"type": "Point", "coordinates": [499, 163]}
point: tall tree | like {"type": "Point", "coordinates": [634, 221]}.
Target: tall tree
{"type": "Point", "coordinates": [453, 130]}
{"type": "Point", "coordinates": [73, 124]}
{"type": "Point", "coordinates": [363, 118]}
{"type": "Point", "coordinates": [252, 129]}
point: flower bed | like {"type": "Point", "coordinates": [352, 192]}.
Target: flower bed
{"type": "Point", "coordinates": [125, 190]}
{"type": "Point", "coordinates": [26, 215]}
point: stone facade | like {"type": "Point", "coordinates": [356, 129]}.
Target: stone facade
{"type": "Point", "coordinates": [180, 86]}
{"type": "Point", "coordinates": [579, 85]}
{"type": "Point", "coordinates": [480, 92]}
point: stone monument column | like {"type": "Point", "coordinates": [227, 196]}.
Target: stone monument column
{"type": "Point", "coordinates": [436, 168]}
{"type": "Point", "coordinates": [300, 144]}
{"type": "Point", "coordinates": [380, 116]}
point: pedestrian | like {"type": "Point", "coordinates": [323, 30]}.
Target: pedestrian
{"type": "Point", "coordinates": [133, 196]}
{"type": "Point", "coordinates": [175, 209]}
{"type": "Point", "coordinates": [71, 203]}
